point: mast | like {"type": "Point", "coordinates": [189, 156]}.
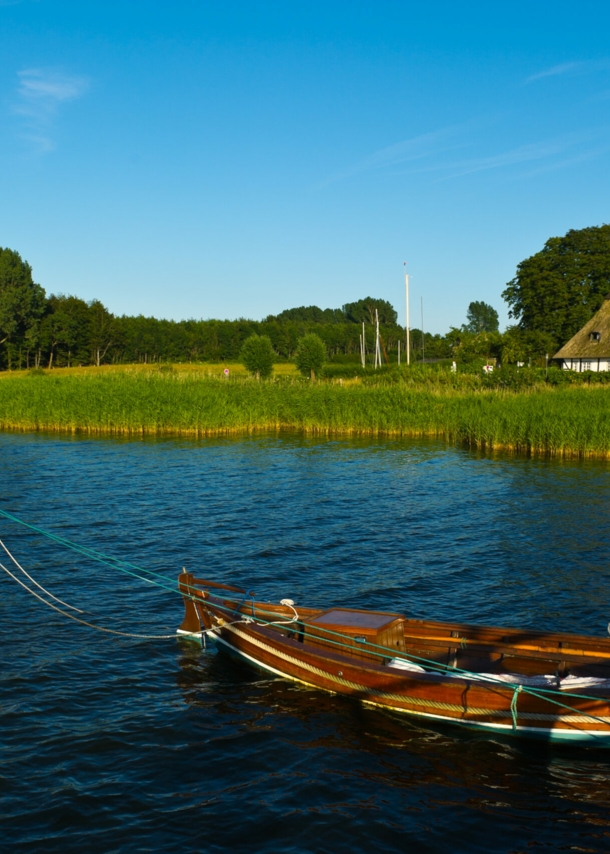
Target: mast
{"type": "Point", "coordinates": [423, 339]}
{"type": "Point", "coordinates": [376, 337]}
{"type": "Point", "coordinates": [363, 347]}
{"type": "Point", "coordinates": [408, 342]}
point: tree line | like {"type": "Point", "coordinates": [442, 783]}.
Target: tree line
{"type": "Point", "coordinates": [551, 297]}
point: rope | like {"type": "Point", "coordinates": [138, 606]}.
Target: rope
{"type": "Point", "coordinates": [33, 580]}
{"type": "Point", "coordinates": [94, 554]}
{"type": "Point", "coordinates": [78, 620]}
{"type": "Point", "coordinates": [513, 706]}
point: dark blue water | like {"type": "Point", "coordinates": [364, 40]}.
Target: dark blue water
{"type": "Point", "coordinates": [122, 745]}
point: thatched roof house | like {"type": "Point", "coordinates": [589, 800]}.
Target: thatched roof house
{"type": "Point", "coordinates": [589, 349]}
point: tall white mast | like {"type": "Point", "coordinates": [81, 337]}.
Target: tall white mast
{"type": "Point", "coordinates": [407, 318]}
{"type": "Point", "coordinates": [376, 337]}
{"type": "Point", "coordinates": [377, 342]}
{"type": "Point", "coordinates": [423, 337]}
{"type": "Point", "coordinates": [363, 347]}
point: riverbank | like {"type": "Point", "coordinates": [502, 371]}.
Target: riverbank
{"type": "Point", "coordinates": [570, 422]}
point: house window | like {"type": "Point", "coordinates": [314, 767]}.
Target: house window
{"type": "Point", "coordinates": [595, 336]}
{"type": "Point", "coordinates": [586, 366]}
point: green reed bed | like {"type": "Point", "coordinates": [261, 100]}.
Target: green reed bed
{"type": "Point", "coordinates": [572, 421]}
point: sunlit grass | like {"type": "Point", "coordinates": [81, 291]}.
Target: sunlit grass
{"type": "Point", "coordinates": [572, 421]}
{"type": "Point", "coordinates": [205, 369]}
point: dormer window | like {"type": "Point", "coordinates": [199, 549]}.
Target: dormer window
{"type": "Point", "coordinates": [595, 336]}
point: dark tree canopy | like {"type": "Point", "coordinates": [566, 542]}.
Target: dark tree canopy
{"type": "Point", "coordinates": [561, 287]}
{"type": "Point", "coordinates": [310, 313]}
{"type": "Point", "coordinates": [351, 312]}
{"type": "Point", "coordinates": [481, 317]}
{"type": "Point", "coordinates": [22, 302]}
{"type": "Point", "coordinates": [364, 310]}
{"type": "Point", "coordinates": [64, 330]}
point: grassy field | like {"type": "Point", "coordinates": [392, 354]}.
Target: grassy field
{"type": "Point", "coordinates": [564, 421]}
{"type": "Point", "coordinates": [207, 369]}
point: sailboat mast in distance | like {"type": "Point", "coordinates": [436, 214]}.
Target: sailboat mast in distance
{"type": "Point", "coordinates": [408, 342]}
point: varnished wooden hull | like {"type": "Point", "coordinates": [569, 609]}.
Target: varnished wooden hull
{"type": "Point", "coordinates": [454, 698]}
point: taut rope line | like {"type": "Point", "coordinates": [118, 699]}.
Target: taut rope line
{"type": "Point", "coordinates": [33, 580]}
{"type": "Point", "coordinates": [77, 619]}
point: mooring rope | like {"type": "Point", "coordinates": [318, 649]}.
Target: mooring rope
{"type": "Point", "coordinates": [94, 554]}
{"type": "Point", "coordinates": [83, 622]}
{"type": "Point", "coordinates": [33, 580]}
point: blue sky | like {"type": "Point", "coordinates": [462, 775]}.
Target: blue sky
{"type": "Point", "coordinates": [227, 159]}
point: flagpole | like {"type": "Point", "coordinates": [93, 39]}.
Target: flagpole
{"type": "Point", "coordinates": [407, 318]}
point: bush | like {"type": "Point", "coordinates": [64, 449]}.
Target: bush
{"type": "Point", "coordinates": [257, 356]}
{"type": "Point", "coordinates": [344, 371]}
{"type": "Point", "coordinates": [310, 355]}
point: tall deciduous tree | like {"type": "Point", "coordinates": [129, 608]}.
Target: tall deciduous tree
{"type": "Point", "coordinates": [481, 317]}
{"type": "Point", "coordinates": [310, 355]}
{"type": "Point", "coordinates": [561, 287]}
{"type": "Point", "coordinates": [257, 356]}
{"type": "Point", "coordinates": [364, 310]}
{"type": "Point", "coordinates": [22, 301]}
{"type": "Point", "coordinates": [102, 330]}
{"type": "Point", "coordinates": [64, 330]}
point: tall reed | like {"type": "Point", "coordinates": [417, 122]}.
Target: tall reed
{"type": "Point", "coordinates": [573, 421]}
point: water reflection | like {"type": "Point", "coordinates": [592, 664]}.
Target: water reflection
{"type": "Point", "coordinates": [458, 770]}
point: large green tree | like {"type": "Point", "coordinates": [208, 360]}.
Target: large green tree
{"type": "Point", "coordinates": [363, 310]}
{"type": "Point", "coordinates": [310, 355]}
{"type": "Point", "coordinates": [559, 289]}
{"type": "Point", "coordinates": [22, 303]}
{"type": "Point", "coordinates": [481, 317]}
{"type": "Point", "coordinates": [65, 330]}
{"type": "Point", "coordinates": [102, 331]}
{"type": "Point", "coordinates": [310, 313]}
{"type": "Point", "coordinates": [257, 356]}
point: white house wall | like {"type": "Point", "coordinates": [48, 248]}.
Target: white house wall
{"type": "Point", "coordinates": [581, 365]}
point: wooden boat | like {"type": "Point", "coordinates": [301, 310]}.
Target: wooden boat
{"type": "Point", "coordinates": [552, 685]}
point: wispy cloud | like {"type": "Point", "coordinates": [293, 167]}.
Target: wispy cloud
{"type": "Point", "coordinates": [40, 94]}
{"type": "Point", "coordinates": [556, 153]}
{"type": "Point", "coordinates": [588, 67]}
{"type": "Point", "coordinates": [544, 150]}
{"type": "Point", "coordinates": [435, 153]}
{"type": "Point", "coordinates": [555, 71]}
{"type": "Point", "coordinates": [570, 161]}
{"type": "Point", "coordinates": [415, 148]}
